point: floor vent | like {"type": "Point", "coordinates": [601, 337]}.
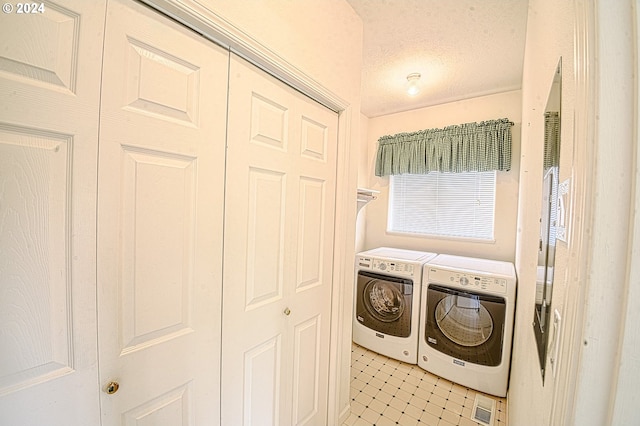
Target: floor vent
{"type": "Point", "coordinates": [483, 410]}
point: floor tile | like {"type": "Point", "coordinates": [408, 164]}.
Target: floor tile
{"type": "Point", "coordinates": [406, 420]}
{"type": "Point", "coordinates": [370, 415]}
{"type": "Point", "coordinates": [429, 419]}
{"type": "Point", "coordinates": [437, 400]}
{"type": "Point", "coordinates": [413, 411]}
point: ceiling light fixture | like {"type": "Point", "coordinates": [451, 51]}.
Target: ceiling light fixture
{"type": "Point", "coordinates": [412, 83]}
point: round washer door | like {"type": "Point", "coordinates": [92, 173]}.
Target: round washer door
{"type": "Point", "coordinates": [384, 300]}
{"type": "Point", "coordinates": [464, 320]}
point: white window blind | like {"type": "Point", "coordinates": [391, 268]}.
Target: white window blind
{"type": "Point", "coordinates": [444, 204]}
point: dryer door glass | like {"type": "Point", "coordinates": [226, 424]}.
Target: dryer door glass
{"type": "Point", "coordinates": [464, 320]}
{"type": "Point", "coordinates": [467, 326]}
{"type": "Point", "coordinates": [384, 300]}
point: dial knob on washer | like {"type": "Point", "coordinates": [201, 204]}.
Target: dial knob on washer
{"type": "Point", "coordinates": [383, 266]}
{"type": "Point", "coordinates": [464, 281]}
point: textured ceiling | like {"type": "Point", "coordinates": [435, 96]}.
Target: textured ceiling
{"type": "Point", "coordinates": [461, 48]}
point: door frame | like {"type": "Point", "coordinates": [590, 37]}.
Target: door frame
{"type": "Point", "coordinates": [603, 225]}
{"type": "Point", "coordinates": [220, 31]}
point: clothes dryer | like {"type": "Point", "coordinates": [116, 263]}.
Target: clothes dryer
{"type": "Point", "coordinates": [466, 321]}
{"type": "Point", "coordinates": [387, 301]}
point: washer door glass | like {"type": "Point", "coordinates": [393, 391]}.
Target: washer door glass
{"type": "Point", "coordinates": [464, 320]}
{"type": "Point", "coordinates": [384, 300]}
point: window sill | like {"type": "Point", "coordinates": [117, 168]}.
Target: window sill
{"type": "Point", "coordinates": [441, 237]}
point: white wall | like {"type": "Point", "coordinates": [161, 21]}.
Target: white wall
{"type": "Point", "coordinates": [502, 105]}
{"type": "Point", "coordinates": [322, 38]}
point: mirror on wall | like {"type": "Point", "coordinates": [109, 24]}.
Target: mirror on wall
{"type": "Point", "coordinates": [548, 218]}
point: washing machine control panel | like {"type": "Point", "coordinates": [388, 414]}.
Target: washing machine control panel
{"type": "Point", "coordinates": [495, 285]}
{"type": "Point", "coordinates": [384, 265]}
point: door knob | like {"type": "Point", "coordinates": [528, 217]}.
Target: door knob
{"type": "Point", "coordinates": [112, 387]}
{"type": "Point", "coordinates": [287, 311]}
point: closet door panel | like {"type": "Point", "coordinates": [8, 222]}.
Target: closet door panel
{"type": "Point", "coordinates": [262, 384]}
{"type": "Point", "coordinates": [308, 385]}
{"type": "Point", "coordinates": [311, 226]}
{"type": "Point", "coordinates": [265, 237]}
{"type": "Point", "coordinates": [158, 195]}
{"type": "Point", "coordinates": [279, 216]}
{"type": "Point", "coordinates": [160, 211]}
{"type": "Point", "coordinates": [257, 253]}
{"type": "Point", "coordinates": [49, 85]}
{"type": "Point", "coordinates": [41, 49]}
{"type": "Point", "coordinates": [314, 210]}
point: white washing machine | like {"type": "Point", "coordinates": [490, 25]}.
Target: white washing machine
{"type": "Point", "coordinates": [387, 301]}
{"type": "Point", "coordinates": [466, 321]}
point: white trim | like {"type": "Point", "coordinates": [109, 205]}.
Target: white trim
{"type": "Point", "coordinates": [611, 196]}
{"type": "Point", "coordinates": [343, 272]}
{"type": "Point", "coordinates": [224, 33]}
{"type": "Point", "coordinates": [440, 237]}
{"type": "Point", "coordinates": [625, 399]}
{"type": "Point", "coordinates": [563, 406]}
{"type": "Point", "coordinates": [597, 272]}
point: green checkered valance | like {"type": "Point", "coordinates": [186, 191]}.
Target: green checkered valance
{"type": "Point", "coordinates": [471, 147]}
{"type": "Point", "coordinates": [551, 139]}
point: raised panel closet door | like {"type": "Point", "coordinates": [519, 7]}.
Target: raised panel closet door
{"type": "Point", "coordinates": [279, 224]}
{"type": "Point", "coordinates": [160, 212]}
{"type": "Point", "coordinates": [49, 95]}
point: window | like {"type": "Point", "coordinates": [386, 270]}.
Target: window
{"type": "Point", "coordinates": [460, 205]}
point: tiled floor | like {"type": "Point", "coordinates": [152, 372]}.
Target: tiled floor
{"type": "Point", "coordinates": [386, 392]}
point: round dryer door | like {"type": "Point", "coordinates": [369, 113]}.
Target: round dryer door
{"type": "Point", "coordinates": [464, 320]}
{"type": "Point", "coordinates": [383, 300]}
{"type": "Point", "coordinates": [465, 326]}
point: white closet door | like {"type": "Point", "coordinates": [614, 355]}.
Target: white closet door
{"type": "Point", "coordinates": [49, 95]}
{"type": "Point", "coordinates": [279, 224]}
{"type": "Point", "coordinates": [160, 211]}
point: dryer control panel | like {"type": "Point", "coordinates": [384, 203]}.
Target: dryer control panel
{"type": "Point", "coordinates": [495, 285]}
{"type": "Point", "coordinates": [380, 265]}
